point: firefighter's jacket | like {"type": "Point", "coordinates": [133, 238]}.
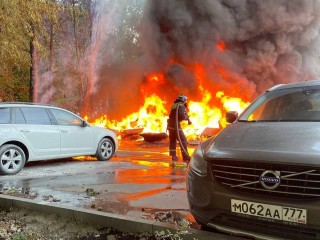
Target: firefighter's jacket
{"type": "Point", "coordinates": [182, 115]}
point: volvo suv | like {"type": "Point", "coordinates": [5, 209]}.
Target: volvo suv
{"type": "Point", "coordinates": [260, 176]}
{"type": "Point", "coordinates": [30, 132]}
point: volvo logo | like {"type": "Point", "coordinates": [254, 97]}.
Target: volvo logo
{"type": "Point", "coordinates": [270, 179]}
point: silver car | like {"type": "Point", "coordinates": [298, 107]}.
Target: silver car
{"type": "Point", "coordinates": [260, 176]}
{"type": "Point", "coordinates": [30, 132]}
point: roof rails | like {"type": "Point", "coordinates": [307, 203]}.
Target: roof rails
{"type": "Point", "coordinates": [27, 103]}
{"type": "Point", "coordinates": [275, 87]}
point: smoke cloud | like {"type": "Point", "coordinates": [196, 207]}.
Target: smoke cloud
{"type": "Point", "coordinates": [243, 46]}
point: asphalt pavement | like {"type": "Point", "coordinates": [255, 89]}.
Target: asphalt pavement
{"type": "Point", "coordinates": [140, 182]}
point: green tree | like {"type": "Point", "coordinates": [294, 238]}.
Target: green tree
{"type": "Point", "coordinates": [41, 38]}
{"type": "Point", "coordinates": [23, 29]}
{"type": "Point", "coordinates": [14, 56]}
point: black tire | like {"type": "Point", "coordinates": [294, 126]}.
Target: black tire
{"type": "Point", "coordinates": [12, 159]}
{"type": "Point", "coordinates": [105, 149]}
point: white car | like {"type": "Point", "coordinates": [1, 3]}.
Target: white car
{"type": "Point", "coordinates": [32, 132]}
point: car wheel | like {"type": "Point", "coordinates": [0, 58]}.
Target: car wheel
{"type": "Point", "coordinates": [105, 149]}
{"type": "Point", "coordinates": [12, 159]}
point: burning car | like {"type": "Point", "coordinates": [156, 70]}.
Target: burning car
{"type": "Point", "coordinates": [260, 176]}
{"type": "Point", "coordinates": [30, 132]}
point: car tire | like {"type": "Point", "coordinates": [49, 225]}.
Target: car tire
{"type": "Point", "coordinates": [12, 159]}
{"type": "Point", "coordinates": [105, 149]}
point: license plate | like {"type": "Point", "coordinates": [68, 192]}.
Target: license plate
{"type": "Point", "coordinates": [282, 213]}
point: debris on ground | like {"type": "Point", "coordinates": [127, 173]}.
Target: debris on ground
{"type": "Point", "coordinates": [19, 224]}
{"type": "Point", "coordinates": [91, 192]}
{"type": "Point", "coordinates": [154, 137]}
{"type": "Point", "coordinates": [18, 192]}
{"type": "Point", "coordinates": [50, 198]}
{"type": "Point", "coordinates": [172, 217]}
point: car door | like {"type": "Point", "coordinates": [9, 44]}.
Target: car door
{"type": "Point", "coordinates": [36, 127]}
{"type": "Point", "coordinates": [76, 139]}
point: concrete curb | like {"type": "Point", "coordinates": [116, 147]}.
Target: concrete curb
{"type": "Point", "coordinates": [102, 219]}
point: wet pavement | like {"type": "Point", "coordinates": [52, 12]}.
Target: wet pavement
{"type": "Point", "coordinates": [140, 181]}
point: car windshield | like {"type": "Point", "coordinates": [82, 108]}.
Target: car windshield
{"type": "Point", "coordinates": [294, 104]}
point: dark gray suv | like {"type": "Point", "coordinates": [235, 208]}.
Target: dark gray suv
{"type": "Point", "coordinates": [260, 176]}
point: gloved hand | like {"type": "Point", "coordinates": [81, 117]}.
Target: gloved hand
{"type": "Point", "coordinates": [186, 106]}
{"type": "Point", "coordinates": [189, 122]}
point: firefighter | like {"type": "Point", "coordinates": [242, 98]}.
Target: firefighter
{"type": "Point", "coordinates": [178, 113]}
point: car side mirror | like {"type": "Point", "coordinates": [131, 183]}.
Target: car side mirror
{"type": "Point", "coordinates": [231, 116]}
{"type": "Point", "coordinates": [83, 123]}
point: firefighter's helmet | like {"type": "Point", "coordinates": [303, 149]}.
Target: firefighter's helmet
{"type": "Point", "coordinates": [183, 98]}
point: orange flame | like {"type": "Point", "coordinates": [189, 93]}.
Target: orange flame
{"type": "Point", "coordinates": [221, 46]}
{"type": "Point", "coordinates": [152, 116]}
{"type": "Point", "coordinates": [207, 113]}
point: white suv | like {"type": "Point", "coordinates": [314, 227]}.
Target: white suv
{"type": "Point", "coordinates": [32, 132]}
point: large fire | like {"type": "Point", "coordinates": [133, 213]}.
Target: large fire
{"type": "Point", "coordinates": [152, 116]}
{"type": "Point", "coordinates": [208, 112]}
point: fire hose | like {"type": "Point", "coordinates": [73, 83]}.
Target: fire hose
{"type": "Point", "coordinates": [178, 134]}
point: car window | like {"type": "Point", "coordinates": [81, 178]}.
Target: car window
{"type": "Point", "coordinates": [65, 118]}
{"type": "Point", "coordinates": [36, 115]}
{"type": "Point", "coordinates": [286, 105]}
{"type": "Point", "coordinates": [4, 115]}
{"type": "Point", "coordinates": [19, 118]}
